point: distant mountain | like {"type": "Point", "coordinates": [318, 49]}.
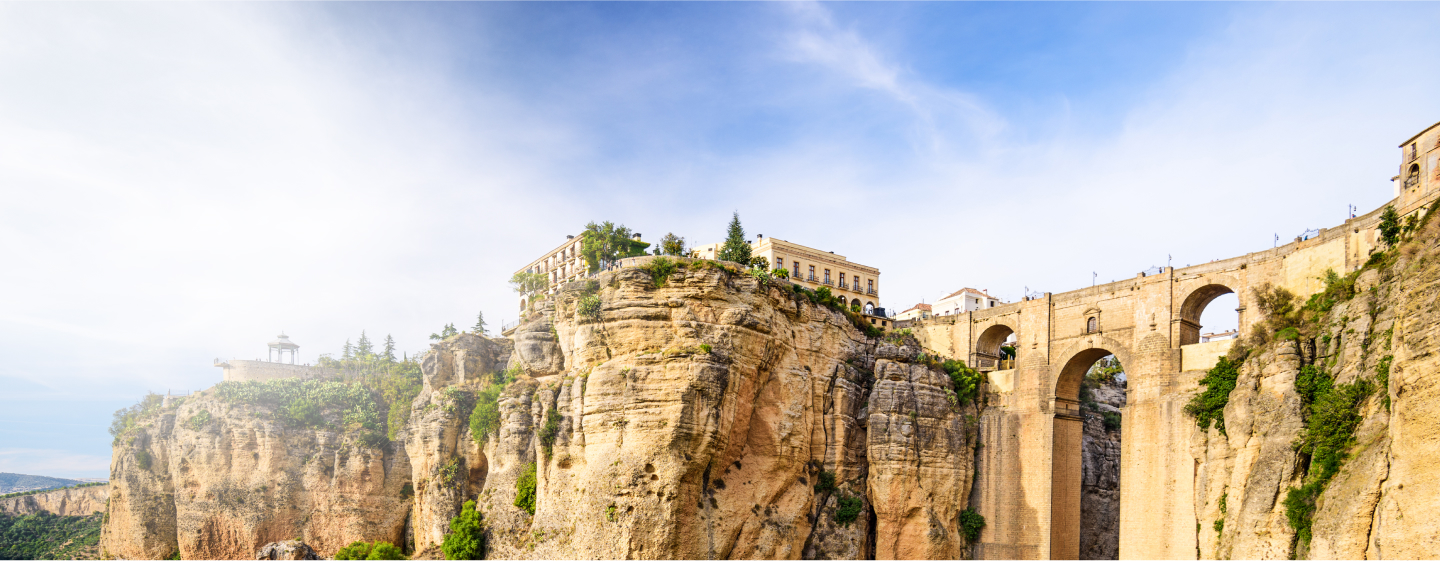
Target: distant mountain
{"type": "Point", "coordinates": [16, 482]}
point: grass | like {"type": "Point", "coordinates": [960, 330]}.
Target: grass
{"type": "Point", "coordinates": [1209, 406]}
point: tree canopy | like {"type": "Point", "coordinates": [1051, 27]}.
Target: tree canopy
{"type": "Point", "coordinates": [1390, 226]}
{"type": "Point", "coordinates": [604, 243]}
{"type": "Point", "coordinates": [672, 244]}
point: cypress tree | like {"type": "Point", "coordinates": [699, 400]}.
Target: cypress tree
{"type": "Point", "coordinates": [349, 351]}
{"type": "Point", "coordinates": [1390, 226]}
{"type": "Point", "coordinates": [736, 248]}
{"type": "Point", "coordinates": [364, 350]}
{"type": "Point", "coordinates": [479, 324]}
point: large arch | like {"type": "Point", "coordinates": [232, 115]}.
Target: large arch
{"type": "Point", "coordinates": [1193, 305]}
{"type": "Point", "coordinates": [1066, 463]}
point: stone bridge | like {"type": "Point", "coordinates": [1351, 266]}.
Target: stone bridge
{"type": "Point", "coordinates": [1029, 481]}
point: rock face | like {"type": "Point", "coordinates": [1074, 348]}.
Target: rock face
{"type": "Point", "coordinates": [289, 549]}
{"type": "Point", "coordinates": [242, 480]}
{"type": "Point", "coordinates": [75, 501]}
{"type": "Point", "coordinates": [1382, 502]}
{"type": "Point", "coordinates": [695, 421]}
{"type": "Point", "coordinates": [1100, 476]}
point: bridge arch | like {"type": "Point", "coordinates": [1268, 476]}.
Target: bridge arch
{"type": "Point", "coordinates": [1066, 463]}
{"type": "Point", "coordinates": [986, 349]}
{"type": "Point", "coordinates": [1194, 304]}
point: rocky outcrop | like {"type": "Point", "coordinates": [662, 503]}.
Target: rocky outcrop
{"type": "Point", "coordinates": [241, 480]}
{"type": "Point", "coordinates": [289, 549]}
{"type": "Point", "coordinates": [697, 420]}
{"type": "Point", "coordinates": [1100, 475]}
{"type": "Point", "coordinates": [74, 501]}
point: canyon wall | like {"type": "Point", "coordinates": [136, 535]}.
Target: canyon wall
{"type": "Point", "coordinates": [75, 501]}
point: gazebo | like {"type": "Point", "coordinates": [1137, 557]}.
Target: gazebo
{"type": "Point", "coordinates": [278, 348]}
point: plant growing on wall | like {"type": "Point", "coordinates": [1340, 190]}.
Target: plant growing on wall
{"type": "Point", "coordinates": [1389, 226]}
{"type": "Point", "coordinates": [525, 489]}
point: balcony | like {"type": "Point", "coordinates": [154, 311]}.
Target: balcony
{"type": "Point", "coordinates": [811, 279]}
{"type": "Point", "coordinates": [870, 292]}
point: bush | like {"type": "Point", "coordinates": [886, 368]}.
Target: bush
{"type": "Point", "coordinates": [760, 262]}
{"type": "Point", "coordinates": [525, 489]}
{"type": "Point", "coordinates": [825, 482]}
{"type": "Point", "coordinates": [1209, 406]}
{"type": "Point", "coordinates": [142, 457]}
{"type": "Point", "coordinates": [1382, 376]}
{"type": "Point", "coordinates": [363, 551]}
{"type": "Point", "coordinates": [128, 418]}
{"type": "Point", "coordinates": [485, 418]}
{"type": "Point", "coordinates": [760, 275]}
{"type": "Point", "coordinates": [550, 430]}
{"type": "Point", "coordinates": [963, 379]}
{"type": "Point", "coordinates": [847, 510]}
{"type": "Point", "coordinates": [198, 420]}
{"type": "Point", "coordinates": [301, 403]}
{"type": "Point", "coordinates": [971, 523]}
{"type": "Point", "coordinates": [660, 269]}
{"type": "Point", "coordinates": [589, 307]}
{"type": "Point", "coordinates": [1277, 306]}
{"type": "Point", "coordinates": [466, 539]}
{"type": "Point", "coordinates": [1389, 225]}
{"type": "Point", "coordinates": [1112, 420]}
{"type": "Point", "coordinates": [780, 273]}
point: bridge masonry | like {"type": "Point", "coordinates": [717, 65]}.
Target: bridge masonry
{"type": "Point", "coordinates": [1029, 469]}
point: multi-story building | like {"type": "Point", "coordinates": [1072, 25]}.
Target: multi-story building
{"type": "Point", "coordinates": [560, 265]}
{"type": "Point", "coordinates": [812, 268]}
{"type": "Point", "coordinates": [964, 300]}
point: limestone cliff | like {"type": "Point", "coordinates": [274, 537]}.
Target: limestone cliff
{"type": "Point", "coordinates": [224, 488]}
{"type": "Point", "coordinates": [73, 501]}
{"type": "Point", "coordinates": [1381, 502]}
{"type": "Point", "coordinates": [696, 419]}
{"type": "Point", "coordinates": [1100, 474]}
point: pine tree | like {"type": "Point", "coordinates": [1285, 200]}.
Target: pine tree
{"type": "Point", "coordinates": [736, 248]}
{"type": "Point", "coordinates": [449, 331]}
{"type": "Point", "coordinates": [479, 324]}
{"type": "Point", "coordinates": [349, 353]}
{"type": "Point", "coordinates": [389, 355]}
{"type": "Point", "coordinates": [364, 350]}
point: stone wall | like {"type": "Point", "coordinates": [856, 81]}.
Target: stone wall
{"type": "Point", "coordinates": [260, 370]}
{"type": "Point", "coordinates": [74, 501]}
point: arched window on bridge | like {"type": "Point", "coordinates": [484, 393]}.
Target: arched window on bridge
{"type": "Point", "coordinates": [1092, 325]}
{"type": "Point", "coordinates": [1412, 178]}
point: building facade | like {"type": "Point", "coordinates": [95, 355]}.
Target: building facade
{"type": "Point", "coordinates": [964, 300]}
{"type": "Point", "coordinates": [918, 311]}
{"type": "Point", "coordinates": [813, 268]}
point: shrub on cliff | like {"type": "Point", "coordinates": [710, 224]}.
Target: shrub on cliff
{"type": "Point", "coordinates": [550, 431]}
{"type": "Point", "coordinates": [128, 418]}
{"type": "Point", "coordinates": [485, 419]}
{"type": "Point", "coordinates": [525, 489]}
{"type": "Point", "coordinates": [466, 539]}
{"type": "Point", "coordinates": [300, 403]}
{"type": "Point", "coordinates": [971, 523]}
{"type": "Point", "coordinates": [1209, 406]}
{"type": "Point", "coordinates": [376, 550]}
{"type": "Point", "coordinates": [963, 379]}
{"type": "Point", "coordinates": [660, 269]}
{"type": "Point", "coordinates": [847, 509]}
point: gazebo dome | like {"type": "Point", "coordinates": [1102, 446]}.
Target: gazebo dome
{"type": "Point", "coordinates": [283, 342]}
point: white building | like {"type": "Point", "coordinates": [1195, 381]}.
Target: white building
{"type": "Point", "coordinates": [964, 300]}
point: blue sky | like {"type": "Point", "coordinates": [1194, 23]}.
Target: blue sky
{"type": "Point", "coordinates": [183, 181]}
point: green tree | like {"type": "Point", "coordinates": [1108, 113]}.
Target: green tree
{"type": "Point", "coordinates": [760, 262]}
{"type": "Point", "coordinates": [349, 351]}
{"type": "Point", "coordinates": [525, 489]}
{"type": "Point", "coordinates": [604, 243]}
{"type": "Point", "coordinates": [1390, 225]}
{"type": "Point", "coordinates": [446, 333]}
{"type": "Point", "coordinates": [466, 539]}
{"type": "Point", "coordinates": [525, 283]}
{"type": "Point", "coordinates": [364, 350]}
{"type": "Point", "coordinates": [479, 328]}
{"type": "Point", "coordinates": [672, 244]}
{"type": "Point", "coordinates": [389, 355]}
{"type": "Point", "coordinates": [736, 249]}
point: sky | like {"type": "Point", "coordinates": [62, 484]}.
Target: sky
{"type": "Point", "coordinates": [182, 182]}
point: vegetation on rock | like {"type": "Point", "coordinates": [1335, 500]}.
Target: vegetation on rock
{"type": "Point", "coordinates": [971, 523]}
{"type": "Point", "coordinates": [604, 243]}
{"type": "Point", "coordinates": [466, 539]}
{"type": "Point", "coordinates": [375, 550]}
{"type": "Point", "coordinates": [525, 489]}
{"type": "Point", "coordinates": [47, 536]}
{"type": "Point", "coordinates": [1209, 406]}
{"type": "Point", "coordinates": [736, 248]}
{"type": "Point", "coordinates": [847, 509]}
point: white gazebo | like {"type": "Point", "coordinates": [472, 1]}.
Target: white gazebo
{"type": "Point", "coordinates": [280, 346]}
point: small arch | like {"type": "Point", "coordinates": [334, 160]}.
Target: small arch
{"type": "Point", "coordinates": [1092, 324]}
{"type": "Point", "coordinates": [1192, 308]}
{"type": "Point", "coordinates": [855, 302]}
{"type": "Point", "coordinates": [522, 304]}
{"type": "Point", "coordinates": [870, 308]}
{"type": "Point", "coordinates": [1412, 177]}
{"type": "Point", "coordinates": [987, 354]}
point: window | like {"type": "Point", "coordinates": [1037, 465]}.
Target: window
{"type": "Point", "coordinates": [842, 280]}
{"type": "Point", "coordinates": [812, 273]}
{"type": "Point", "coordinates": [779, 262]}
{"type": "Point", "coordinates": [1092, 325]}
{"type": "Point", "coordinates": [870, 284]}
{"type": "Point", "coordinates": [797, 269]}
{"type": "Point", "coordinates": [992, 303]}
{"type": "Point", "coordinates": [827, 276]}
